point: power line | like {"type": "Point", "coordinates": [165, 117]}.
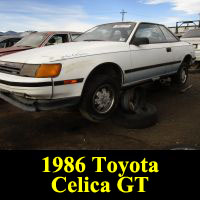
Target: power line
{"type": "Point", "coordinates": [123, 13]}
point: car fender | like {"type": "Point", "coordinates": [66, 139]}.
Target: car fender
{"type": "Point", "coordinates": [80, 68]}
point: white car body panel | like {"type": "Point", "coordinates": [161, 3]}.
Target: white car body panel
{"type": "Point", "coordinates": [196, 43]}
{"type": "Point", "coordinates": [78, 59]}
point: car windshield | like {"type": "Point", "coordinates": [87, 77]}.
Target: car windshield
{"type": "Point", "coordinates": [118, 32]}
{"type": "Point", "coordinates": [32, 40]}
{"type": "Point", "coordinates": [192, 34]}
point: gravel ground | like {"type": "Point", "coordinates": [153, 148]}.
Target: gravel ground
{"type": "Point", "coordinates": [178, 126]}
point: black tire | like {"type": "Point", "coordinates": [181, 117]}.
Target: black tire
{"type": "Point", "coordinates": [88, 108]}
{"type": "Point", "coordinates": [143, 118]}
{"type": "Point", "coordinates": [181, 78]}
{"type": "Point", "coordinates": [132, 99]}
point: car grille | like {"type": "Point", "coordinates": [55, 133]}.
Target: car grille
{"type": "Point", "coordinates": [10, 68]}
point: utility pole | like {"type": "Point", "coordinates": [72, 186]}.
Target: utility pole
{"type": "Point", "coordinates": [123, 13]}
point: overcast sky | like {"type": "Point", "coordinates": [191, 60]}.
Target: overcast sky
{"type": "Point", "coordinates": [80, 15]}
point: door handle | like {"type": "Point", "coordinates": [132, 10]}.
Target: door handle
{"type": "Point", "coordinates": [169, 49]}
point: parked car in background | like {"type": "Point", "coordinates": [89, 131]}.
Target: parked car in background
{"type": "Point", "coordinates": [8, 41]}
{"type": "Point", "coordinates": [193, 37]}
{"type": "Point", "coordinates": [39, 39]}
{"type": "Point", "coordinates": [92, 71]}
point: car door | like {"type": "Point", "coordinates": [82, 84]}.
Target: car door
{"type": "Point", "coordinates": [176, 49]}
{"type": "Point", "coordinates": [149, 60]}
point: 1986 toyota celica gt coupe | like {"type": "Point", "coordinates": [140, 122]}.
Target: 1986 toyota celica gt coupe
{"type": "Point", "coordinates": [91, 71]}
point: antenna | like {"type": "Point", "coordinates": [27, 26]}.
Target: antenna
{"type": "Point", "coordinates": [123, 13]}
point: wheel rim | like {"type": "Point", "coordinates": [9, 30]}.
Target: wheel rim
{"type": "Point", "coordinates": [133, 101]}
{"type": "Point", "coordinates": [103, 99]}
{"type": "Point", "coordinates": [183, 75]}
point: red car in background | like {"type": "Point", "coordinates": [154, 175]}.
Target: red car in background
{"type": "Point", "coordinates": [8, 40]}
{"type": "Point", "coordinates": [40, 39]}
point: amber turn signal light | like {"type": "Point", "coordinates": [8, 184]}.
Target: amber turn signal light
{"type": "Point", "coordinates": [48, 70]}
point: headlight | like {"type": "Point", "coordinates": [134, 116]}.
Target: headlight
{"type": "Point", "coordinates": [29, 70]}
{"type": "Point", "coordinates": [41, 71]}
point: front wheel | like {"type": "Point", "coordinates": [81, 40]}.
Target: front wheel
{"type": "Point", "coordinates": [100, 98]}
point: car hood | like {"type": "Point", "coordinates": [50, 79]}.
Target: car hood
{"type": "Point", "coordinates": [65, 51]}
{"type": "Point", "coordinates": [13, 48]}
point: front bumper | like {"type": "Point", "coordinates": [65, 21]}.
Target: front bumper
{"type": "Point", "coordinates": [38, 105]}
{"type": "Point", "coordinates": [31, 87]}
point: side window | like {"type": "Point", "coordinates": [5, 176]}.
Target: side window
{"type": "Point", "coordinates": [6, 43]}
{"type": "Point", "coordinates": [9, 43]}
{"type": "Point", "coordinates": [152, 32]}
{"type": "Point", "coordinates": [169, 36]}
{"type": "Point", "coordinates": [58, 39]}
{"type": "Point", "coordinates": [15, 40]}
{"type": "Point", "coordinates": [2, 44]}
{"type": "Point", "coordinates": [12, 41]}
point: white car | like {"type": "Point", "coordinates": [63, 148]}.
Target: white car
{"type": "Point", "coordinates": [91, 71]}
{"type": "Point", "coordinates": [193, 37]}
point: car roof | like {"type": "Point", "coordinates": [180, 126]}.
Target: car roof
{"type": "Point", "coordinates": [136, 22]}
{"type": "Point", "coordinates": [118, 23]}
{"type": "Point", "coordinates": [58, 32]}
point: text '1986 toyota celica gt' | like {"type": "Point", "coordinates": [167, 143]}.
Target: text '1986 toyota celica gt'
{"type": "Point", "coordinates": [91, 71]}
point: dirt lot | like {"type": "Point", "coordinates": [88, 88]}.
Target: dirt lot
{"type": "Point", "coordinates": [178, 125]}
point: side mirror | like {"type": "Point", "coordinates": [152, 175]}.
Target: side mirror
{"type": "Point", "coordinates": [140, 41]}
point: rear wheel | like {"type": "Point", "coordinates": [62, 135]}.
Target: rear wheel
{"type": "Point", "coordinates": [181, 78]}
{"type": "Point", "coordinates": [100, 97]}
